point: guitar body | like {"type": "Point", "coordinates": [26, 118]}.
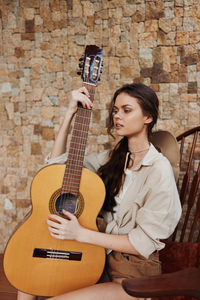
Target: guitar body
{"type": "Point", "coordinates": [71, 265]}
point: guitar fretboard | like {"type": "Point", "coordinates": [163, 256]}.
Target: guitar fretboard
{"type": "Point", "coordinates": [74, 164]}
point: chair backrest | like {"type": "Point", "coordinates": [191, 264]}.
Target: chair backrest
{"type": "Point", "coordinates": [188, 228]}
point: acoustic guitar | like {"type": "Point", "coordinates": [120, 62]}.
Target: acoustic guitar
{"type": "Point", "coordinates": [35, 262]}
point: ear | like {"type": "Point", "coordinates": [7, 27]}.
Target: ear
{"type": "Point", "coordinates": [148, 119]}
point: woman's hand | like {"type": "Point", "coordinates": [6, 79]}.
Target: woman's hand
{"type": "Point", "coordinates": [64, 229]}
{"type": "Point", "coordinates": [80, 95]}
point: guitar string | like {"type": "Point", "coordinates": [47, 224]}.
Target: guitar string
{"type": "Point", "coordinates": [78, 155]}
{"type": "Point", "coordinates": [81, 139]}
{"type": "Point", "coordinates": [78, 139]}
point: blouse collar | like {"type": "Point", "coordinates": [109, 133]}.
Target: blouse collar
{"type": "Point", "coordinates": [148, 159]}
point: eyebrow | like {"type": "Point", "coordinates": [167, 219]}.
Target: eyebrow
{"type": "Point", "coordinates": [123, 106]}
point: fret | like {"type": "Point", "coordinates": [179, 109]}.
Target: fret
{"type": "Point", "coordinates": [78, 157]}
{"type": "Point", "coordinates": [78, 162]}
{"type": "Point", "coordinates": [68, 180]}
{"type": "Point", "coordinates": [75, 151]}
{"type": "Point", "coordinates": [78, 166]}
{"type": "Point", "coordinates": [74, 182]}
{"type": "Point", "coordinates": [82, 119]}
{"type": "Point", "coordinates": [83, 137]}
{"type": "Point", "coordinates": [80, 131]}
{"type": "Point", "coordinates": [71, 181]}
{"type": "Point", "coordinates": [75, 172]}
{"type": "Point", "coordinates": [70, 172]}
{"type": "Point", "coordinates": [74, 144]}
{"type": "Point", "coordinates": [78, 153]}
{"type": "Point", "coordinates": [76, 175]}
{"type": "Point", "coordinates": [78, 142]}
{"type": "Point", "coordinates": [75, 192]}
{"type": "Point", "coordinates": [84, 112]}
{"type": "Point", "coordinates": [69, 186]}
{"type": "Point", "coordinates": [81, 126]}
{"type": "Point", "coordinates": [71, 177]}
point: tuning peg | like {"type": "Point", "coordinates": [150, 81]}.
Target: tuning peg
{"type": "Point", "coordinates": [99, 79]}
{"type": "Point", "coordinates": [81, 59]}
{"type": "Point", "coordinates": [78, 73]}
{"type": "Point", "coordinates": [81, 66]}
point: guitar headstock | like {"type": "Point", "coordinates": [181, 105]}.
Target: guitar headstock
{"type": "Point", "coordinates": [91, 64]}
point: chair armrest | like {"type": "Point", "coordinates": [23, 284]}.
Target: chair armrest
{"type": "Point", "coordinates": [182, 283]}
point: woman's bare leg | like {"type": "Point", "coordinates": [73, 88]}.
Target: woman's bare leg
{"type": "Point", "coordinates": [23, 296]}
{"type": "Point", "coordinates": [101, 291]}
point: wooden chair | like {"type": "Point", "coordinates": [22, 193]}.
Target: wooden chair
{"type": "Point", "coordinates": [181, 256]}
{"type": "Point", "coordinates": [182, 283]}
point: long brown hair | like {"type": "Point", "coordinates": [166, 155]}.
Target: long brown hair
{"type": "Point", "coordinates": [112, 172]}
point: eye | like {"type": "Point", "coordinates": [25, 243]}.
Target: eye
{"type": "Point", "coordinates": [127, 110]}
{"type": "Point", "coordinates": [114, 111]}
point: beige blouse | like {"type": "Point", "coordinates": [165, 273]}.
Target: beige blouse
{"type": "Point", "coordinates": [150, 207]}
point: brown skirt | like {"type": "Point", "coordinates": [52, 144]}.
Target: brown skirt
{"type": "Point", "coordinates": [120, 266]}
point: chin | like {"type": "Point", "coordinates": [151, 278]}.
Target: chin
{"type": "Point", "coordinates": [119, 133]}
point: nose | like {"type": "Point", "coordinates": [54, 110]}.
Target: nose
{"type": "Point", "coordinates": [117, 115]}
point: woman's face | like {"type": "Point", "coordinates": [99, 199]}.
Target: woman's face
{"type": "Point", "coordinates": [128, 116]}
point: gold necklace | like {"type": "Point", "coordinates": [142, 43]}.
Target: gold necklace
{"type": "Point", "coordinates": [140, 151]}
{"type": "Point", "coordinates": [128, 156]}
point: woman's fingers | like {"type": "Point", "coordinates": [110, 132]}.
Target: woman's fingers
{"type": "Point", "coordinates": [57, 235]}
{"type": "Point", "coordinates": [85, 91]}
{"type": "Point", "coordinates": [64, 228]}
{"type": "Point", "coordinates": [82, 95]}
{"type": "Point", "coordinates": [56, 218]}
{"type": "Point", "coordinates": [54, 224]}
{"type": "Point", "coordinates": [68, 215]}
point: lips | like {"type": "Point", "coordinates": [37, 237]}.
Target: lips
{"type": "Point", "coordinates": [117, 126]}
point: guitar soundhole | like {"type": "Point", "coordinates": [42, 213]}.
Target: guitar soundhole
{"type": "Point", "coordinates": [68, 202]}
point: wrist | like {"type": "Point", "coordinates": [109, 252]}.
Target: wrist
{"type": "Point", "coordinates": [82, 235]}
{"type": "Point", "coordinates": [70, 111]}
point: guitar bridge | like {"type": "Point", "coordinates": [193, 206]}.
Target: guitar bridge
{"type": "Point", "coordinates": [57, 254]}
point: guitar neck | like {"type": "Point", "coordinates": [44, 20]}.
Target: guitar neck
{"type": "Point", "coordinates": [74, 164]}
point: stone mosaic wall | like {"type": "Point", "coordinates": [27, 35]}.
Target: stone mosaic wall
{"type": "Point", "coordinates": [149, 41]}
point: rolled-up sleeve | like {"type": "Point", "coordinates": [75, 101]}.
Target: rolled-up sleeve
{"type": "Point", "coordinates": [91, 161]}
{"type": "Point", "coordinates": [94, 161]}
{"type": "Point", "coordinates": [157, 218]}
{"type": "Point", "coordinates": [61, 159]}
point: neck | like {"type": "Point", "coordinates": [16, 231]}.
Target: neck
{"type": "Point", "coordinates": [140, 151]}
{"type": "Point", "coordinates": [138, 145]}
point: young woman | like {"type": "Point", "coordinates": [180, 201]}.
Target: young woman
{"type": "Point", "coordinates": [142, 205]}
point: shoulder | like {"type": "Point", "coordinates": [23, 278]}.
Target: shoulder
{"type": "Point", "coordinates": [159, 165]}
{"type": "Point", "coordinates": [94, 161]}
